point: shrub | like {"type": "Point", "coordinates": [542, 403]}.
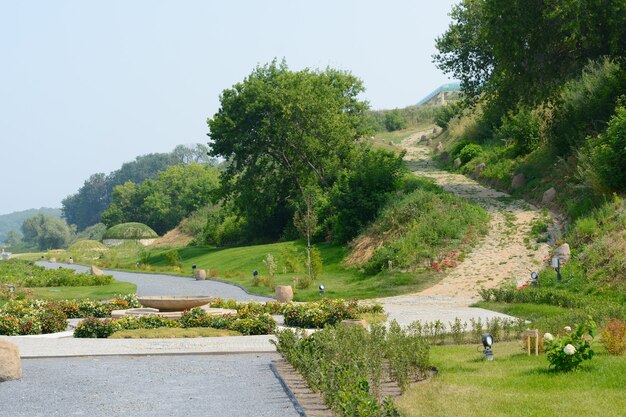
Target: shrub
{"type": "Point", "coordinates": [30, 325]}
{"type": "Point", "coordinates": [9, 325]}
{"type": "Point", "coordinates": [614, 337]}
{"type": "Point", "coordinates": [254, 325]}
{"type": "Point", "coordinates": [447, 113]}
{"type": "Point", "coordinates": [394, 120]}
{"type": "Point", "coordinates": [318, 315]}
{"type": "Point", "coordinates": [522, 129]}
{"type": "Point", "coordinates": [172, 258]}
{"type": "Point", "coordinates": [566, 353]}
{"type": "Point", "coordinates": [348, 364]}
{"type": "Point", "coordinates": [52, 318]}
{"type": "Point", "coordinates": [470, 152]}
{"type": "Point", "coordinates": [608, 152]}
{"type": "Point", "coordinates": [151, 321]}
{"type": "Point", "coordinates": [94, 328]}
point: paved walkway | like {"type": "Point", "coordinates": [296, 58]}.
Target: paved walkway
{"type": "Point", "coordinates": [55, 346]}
{"type": "Point", "coordinates": [190, 386]}
{"type": "Point", "coordinates": [161, 284]}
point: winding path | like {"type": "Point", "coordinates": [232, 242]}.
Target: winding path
{"type": "Point", "coordinates": [161, 284]}
{"type": "Point", "coordinates": [505, 253]}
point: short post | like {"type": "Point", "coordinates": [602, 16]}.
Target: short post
{"type": "Point", "coordinates": [528, 334]}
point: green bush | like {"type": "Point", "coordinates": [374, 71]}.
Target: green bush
{"type": "Point", "coordinates": [30, 325]}
{"type": "Point", "coordinates": [522, 129]}
{"type": "Point", "coordinates": [245, 322]}
{"type": "Point", "coordinates": [567, 352]}
{"type": "Point", "coordinates": [52, 318]}
{"type": "Point", "coordinates": [95, 328]}
{"type": "Point", "coordinates": [9, 325]}
{"type": "Point", "coordinates": [320, 314]}
{"type": "Point", "coordinates": [447, 113]}
{"type": "Point", "coordinates": [394, 120]}
{"type": "Point", "coordinates": [470, 152]}
{"type": "Point", "coordinates": [586, 104]}
{"type": "Point", "coordinates": [608, 152]}
{"type": "Point", "coordinates": [30, 275]}
{"type": "Point", "coordinates": [348, 364]}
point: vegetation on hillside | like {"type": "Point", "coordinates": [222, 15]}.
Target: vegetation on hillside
{"type": "Point", "coordinates": [131, 230]}
{"type": "Point", "coordinates": [85, 208]}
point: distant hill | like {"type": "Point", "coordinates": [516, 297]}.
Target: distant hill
{"type": "Point", "coordinates": [13, 221]}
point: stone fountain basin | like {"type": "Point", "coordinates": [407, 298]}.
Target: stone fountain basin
{"type": "Point", "coordinates": [173, 303]}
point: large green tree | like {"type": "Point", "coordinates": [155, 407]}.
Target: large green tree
{"type": "Point", "coordinates": [520, 51]}
{"type": "Point", "coordinates": [282, 131]}
{"type": "Point", "coordinates": [46, 232]}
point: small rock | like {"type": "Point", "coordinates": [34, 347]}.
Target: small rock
{"type": "Point", "coordinates": [200, 274]}
{"type": "Point", "coordinates": [445, 156]}
{"type": "Point", "coordinates": [479, 168]}
{"type": "Point", "coordinates": [423, 138]}
{"type": "Point", "coordinates": [457, 163]}
{"type": "Point", "coordinates": [95, 270]}
{"type": "Point", "coordinates": [284, 293]}
{"type": "Point", "coordinates": [10, 364]}
{"type": "Point", "coordinates": [434, 130]}
{"type": "Point", "coordinates": [518, 181]}
{"type": "Point", "coordinates": [548, 196]}
{"type": "Point", "coordinates": [439, 147]}
{"type": "Point", "coordinates": [70, 261]}
{"type": "Point", "coordinates": [429, 141]}
{"type": "Point", "coordinates": [563, 252]}
{"type": "Point", "coordinates": [349, 322]}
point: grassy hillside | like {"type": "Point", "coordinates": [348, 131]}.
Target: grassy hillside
{"type": "Point", "coordinates": [13, 221]}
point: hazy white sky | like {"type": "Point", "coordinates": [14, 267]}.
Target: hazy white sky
{"type": "Point", "coordinates": [88, 85]}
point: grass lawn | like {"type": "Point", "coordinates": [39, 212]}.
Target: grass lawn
{"type": "Point", "coordinates": [101, 292]}
{"type": "Point", "coordinates": [166, 332]}
{"type": "Point", "coordinates": [237, 264]}
{"type": "Point", "coordinates": [515, 384]}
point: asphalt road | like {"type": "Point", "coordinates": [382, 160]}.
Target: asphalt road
{"type": "Point", "coordinates": [160, 284]}
{"type": "Point", "coordinates": [147, 386]}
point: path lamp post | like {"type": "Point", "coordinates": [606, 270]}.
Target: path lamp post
{"type": "Point", "coordinates": [487, 344]}
{"type": "Point", "coordinates": [322, 289]}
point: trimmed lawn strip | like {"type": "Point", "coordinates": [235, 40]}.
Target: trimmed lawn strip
{"type": "Point", "coordinates": [515, 384]}
{"type": "Point", "coordinates": [172, 332]}
{"type": "Point", "coordinates": [102, 292]}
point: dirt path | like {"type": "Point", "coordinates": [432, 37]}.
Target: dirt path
{"type": "Point", "coordinates": [504, 253]}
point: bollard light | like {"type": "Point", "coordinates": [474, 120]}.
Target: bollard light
{"type": "Point", "coordinates": [535, 278]}
{"type": "Point", "coordinates": [11, 288]}
{"type": "Point", "coordinates": [487, 344]}
{"type": "Point", "coordinates": [322, 289]}
{"type": "Point", "coordinates": [556, 264]}
{"type": "Point", "coordinates": [193, 267]}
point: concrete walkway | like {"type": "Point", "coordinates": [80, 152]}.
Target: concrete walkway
{"type": "Point", "coordinates": [161, 284]}
{"type": "Point", "coordinates": [50, 347]}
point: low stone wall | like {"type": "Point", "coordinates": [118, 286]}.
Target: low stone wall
{"type": "Point", "coordinates": [116, 242]}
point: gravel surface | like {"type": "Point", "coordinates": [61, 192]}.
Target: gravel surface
{"type": "Point", "coordinates": [190, 386]}
{"type": "Point", "coordinates": [160, 284]}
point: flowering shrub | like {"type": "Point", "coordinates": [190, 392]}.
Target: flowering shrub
{"type": "Point", "coordinates": [9, 325]}
{"type": "Point", "coordinates": [318, 315]}
{"type": "Point", "coordinates": [244, 322]}
{"type": "Point", "coordinates": [566, 353]}
{"type": "Point", "coordinates": [614, 337]}
{"type": "Point", "coordinates": [52, 318]}
{"type": "Point", "coordinates": [95, 328]}
{"type": "Point", "coordinates": [29, 325]}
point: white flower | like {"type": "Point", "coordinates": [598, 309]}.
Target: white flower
{"type": "Point", "coordinates": [567, 329]}
{"type": "Point", "coordinates": [548, 337]}
{"type": "Point", "coordinates": [569, 349]}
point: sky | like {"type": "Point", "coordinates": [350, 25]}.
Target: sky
{"type": "Point", "coordinates": [88, 85]}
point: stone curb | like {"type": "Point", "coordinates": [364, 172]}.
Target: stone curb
{"type": "Point", "coordinates": [309, 403]}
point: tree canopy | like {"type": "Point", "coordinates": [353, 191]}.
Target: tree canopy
{"type": "Point", "coordinates": [163, 202]}
{"type": "Point", "coordinates": [46, 232]}
{"type": "Point", "coordinates": [85, 208]}
{"type": "Point", "coordinates": [520, 51]}
{"type": "Point", "coordinates": [282, 131]}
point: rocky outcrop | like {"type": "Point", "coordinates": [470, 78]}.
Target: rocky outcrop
{"type": "Point", "coordinates": [518, 181]}
{"type": "Point", "coordinates": [479, 168]}
{"type": "Point", "coordinates": [563, 252]}
{"type": "Point", "coordinates": [457, 163]}
{"type": "Point", "coordinates": [284, 293]}
{"type": "Point", "coordinates": [548, 196]}
{"type": "Point", "coordinates": [439, 147]}
{"type": "Point", "coordinates": [95, 270]}
{"type": "Point", "coordinates": [10, 364]}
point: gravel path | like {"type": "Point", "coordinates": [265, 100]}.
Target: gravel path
{"type": "Point", "coordinates": [505, 253]}
{"type": "Point", "coordinates": [160, 284]}
{"type": "Point", "coordinates": [190, 386]}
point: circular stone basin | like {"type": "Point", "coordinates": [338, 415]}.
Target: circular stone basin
{"type": "Point", "coordinates": [173, 303]}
